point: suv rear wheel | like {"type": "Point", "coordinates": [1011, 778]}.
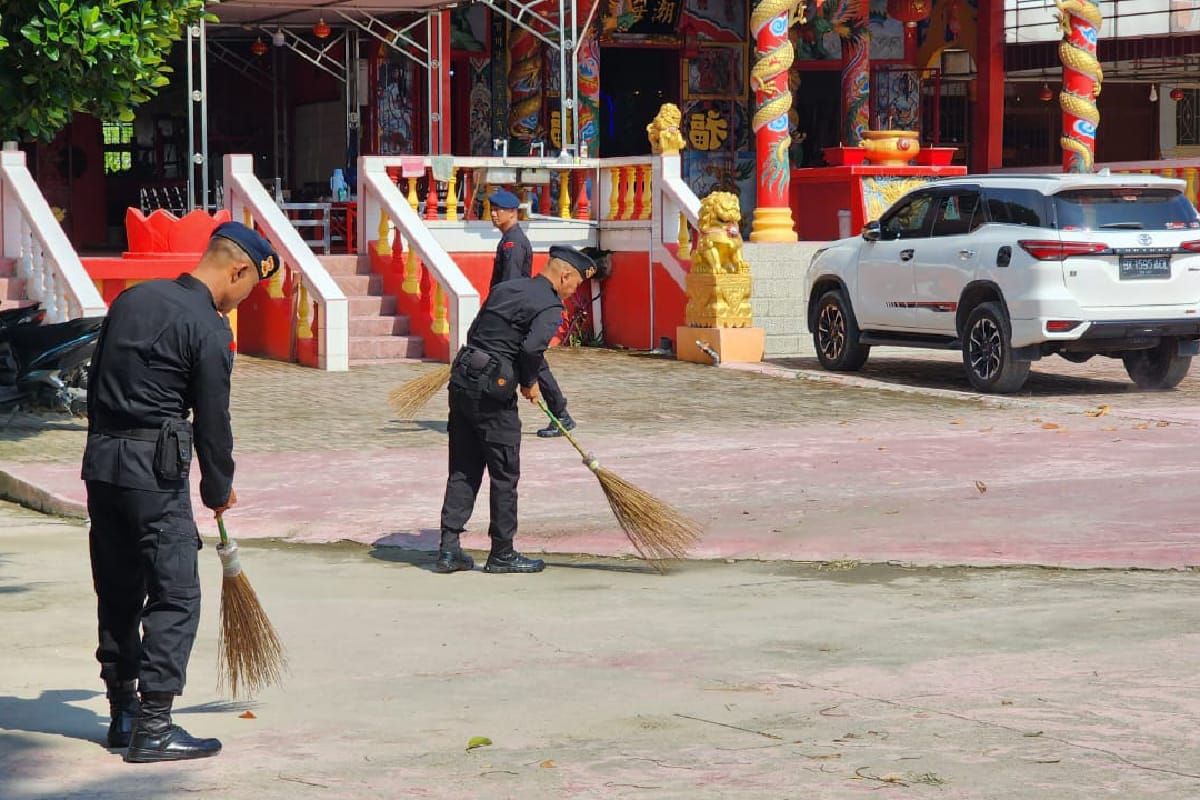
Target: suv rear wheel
{"type": "Point", "coordinates": [987, 351]}
{"type": "Point", "coordinates": [835, 335]}
{"type": "Point", "coordinates": [1159, 368]}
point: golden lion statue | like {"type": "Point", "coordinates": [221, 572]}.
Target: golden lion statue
{"type": "Point", "coordinates": [720, 246]}
{"type": "Point", "coordinates": [663, 130]}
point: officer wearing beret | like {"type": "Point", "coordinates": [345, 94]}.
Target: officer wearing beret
{"type": "Point", "coordinates": [165, 352]}
{"type": "Point", "coordinates": [503, 352]}
{"type": "Point", "coordinates": [514, 259]}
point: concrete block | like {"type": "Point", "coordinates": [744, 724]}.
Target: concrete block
{"type": "Point", "coordinates": [731, 344]}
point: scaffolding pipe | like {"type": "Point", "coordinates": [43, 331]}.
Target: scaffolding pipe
{"type": "Point", "coordinates": [203, 117]}
{"type": "Point", "coordinates": [191, 117]}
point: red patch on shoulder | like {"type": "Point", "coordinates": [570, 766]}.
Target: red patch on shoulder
{"type": "Point", "coordinates": [509, 245]}
{"type": "Point", "coordinates": [232, 346]}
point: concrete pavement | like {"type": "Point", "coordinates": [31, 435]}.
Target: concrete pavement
{"type": "Point", "coordinates": [598, 679]}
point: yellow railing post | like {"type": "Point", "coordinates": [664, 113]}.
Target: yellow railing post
{"type": "Point", "coordinates": [685, 238]}
{"type": "Point", "coordinates": [647, 192]}
{"type": "Point", "coordinates": [384, 246]}
{"type": "Point", "coordinates": [451, 196]}
{"type": "Point", "coordinates": [1189, 175]}
{"type": "Point", "coordinates": [564, 194]}
{"type": "Point", "coordinates": [440, 324]}
{"type": "Point", "coordinates": [303, 326]}
{"type": "Point", "coordinates": [413, 201]}
{"type": "Point", "coordinates": [614, 192]}
{"type": "Point", "coordinates": [630, 182]}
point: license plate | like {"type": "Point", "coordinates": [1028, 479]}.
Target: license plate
{"type": "Point", "coordinates": [1142, 267]}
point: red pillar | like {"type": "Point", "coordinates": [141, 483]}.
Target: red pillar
{"type": "Point", "coordinates": [773, 214]}
{"type": "Point", "coordinates": [987, 149]}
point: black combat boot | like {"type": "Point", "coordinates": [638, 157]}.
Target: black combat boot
{"type": "Point", "coordinates": [453, 561]}
{"type": "Point", "coordinates": [123, 709]}
{"type": "Point", "coordinates": [156, 738]}
{"type": "Point", "coordinates": [551, 430]}
{"type": "Point", "coordinates": [512, 561]}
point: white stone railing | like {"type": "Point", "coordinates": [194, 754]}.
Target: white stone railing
{"type": "Point", "coordinates": [46, 261]}
{"type": "Point", "coordinates": [249, 202]}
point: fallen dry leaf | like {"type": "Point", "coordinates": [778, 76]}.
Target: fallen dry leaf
{"type": "Point", "coordinates": [956, 422]}
{"type": "Point", "coordinates": [547, 764]}
{"type": "Point", "coordinates": [1163, 423]}
{"type": "Point", "coordinates": [1049, 426]}
{"type": "Point", "coordinates": [247, 715]}
{"type": "Point", "coordinates": [981, 486]}
{"type": "Point", "coordinates": [1099, 412]}
{"type": "Point", "coordinates": [1142, 426]}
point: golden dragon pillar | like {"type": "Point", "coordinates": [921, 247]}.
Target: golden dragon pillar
{"type": "Point", "coordinates": [773, 56]}
{"type": "Point", "coordinates": [1080, 21]}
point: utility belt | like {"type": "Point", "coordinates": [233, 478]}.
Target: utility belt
{"type": "Point", "coordinates": [481, 374]}
{"type": "Point", "coordinates": [172, 446]}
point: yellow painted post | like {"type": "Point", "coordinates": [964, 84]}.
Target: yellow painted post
{"type": "Point", "coordinates": [384, 246]}
{"type": "Point", "coordinates": [412, 273]}
{"type": "Point", "coordinates": [630, 182]}
{"type": "Point", "coordinates": [275, 285]}
{"type": "Point", "coordinates": [247, 218]}
{"type": "Point", "coordinates": [440, 324]}
{"type": "Point", "coordinates": [413, 201]}
{"type": "Point", "coordinates": [647, 193]}
{"type": "Point", "coordinates": [564, 194]}
{"type": "Point", "coordinates": [487, 201]}
{"type": "Point", "coordinates": [303, 325]}
{"type": "Point", "coordinates": [685, 238]}
{"type": "Point", "coordinates": [1169, 172]}
{"type": "Point", "coordinates": [452, 196]}
{"type": "Point", "coordinates": [614, 192]}
{"type": "Point", "coordinates": [232, 317]}
{"type": "Point", "coordinates": [523, 210]}
{"type": "Point", "coordinates": [1189, 175]}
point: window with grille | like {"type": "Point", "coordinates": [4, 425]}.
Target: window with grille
{"type": "Point", "coordinates": [118, 146]}
{"type": "Point", "coordinates": [1187, 118]}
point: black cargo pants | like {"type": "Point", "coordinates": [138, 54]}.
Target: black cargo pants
{"type": "Point", "coordinates": [144, 569]}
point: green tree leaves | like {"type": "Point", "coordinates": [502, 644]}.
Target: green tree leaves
{"type": "Point", "coordinates": [101, 57]}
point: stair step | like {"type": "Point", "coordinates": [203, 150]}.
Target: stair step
{"type": "Point", "coordinates": [379, 326]}
{"type": "Point", "coordinates": [8, 267]}
{"type": "Point", "coordinates": [359, 285]}
{"type": "Point", "coordinates": [380, 347]}
{"type": "Point", "coordinates": [12, 289]}
{"type": "Point", "coordinates": [366, 306]}
{"type": "Point", "coordinates": [343, 265]}
{"type": "Point", "coordinates": [7, 304]}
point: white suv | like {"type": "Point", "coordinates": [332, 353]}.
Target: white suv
{"type": "Point", "coordinates": [1012, 268]}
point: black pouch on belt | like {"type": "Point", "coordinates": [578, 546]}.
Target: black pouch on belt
{"type": "Point", "coordinates": [173, 450]}
{"type": "Point", "coordinates": [481, 374]}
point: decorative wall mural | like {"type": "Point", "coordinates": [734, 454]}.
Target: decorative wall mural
{"type": "Point", "coordinates": [481, 106]}
{"type": "Point", "coordinates": [718, 71]}
{"type": "Point", "coordinates": [716, 20]}
{"type": "Point", "coordinates": [396, 91]}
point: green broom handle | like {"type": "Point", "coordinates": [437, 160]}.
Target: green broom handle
{"type": "Point", "coordinates": [221, 528]}
{"type": "Point", "coordinates": [542, 405]}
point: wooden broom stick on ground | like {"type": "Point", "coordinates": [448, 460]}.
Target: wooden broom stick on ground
{"type": "Point", "coordinates": [658, 531]}
{"type": "Point", "coordinates": [250, 654]}
{"type": "Point", "coordinates": [409, 397]}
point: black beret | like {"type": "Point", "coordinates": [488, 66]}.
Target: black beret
{"type": "Point", "coordinates": [582, 263]}
{"type": "Point", "coordinates": [264, 258]}
{"type": "Point", "coordinates": [502, 198]}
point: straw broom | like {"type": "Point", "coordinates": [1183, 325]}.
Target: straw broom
{"type": "Point", "coordinates": [658, 531]}
{"type": "Point", "coordinates": [249, 652]}
{"type": "Point", "coordinates": [408, 398]}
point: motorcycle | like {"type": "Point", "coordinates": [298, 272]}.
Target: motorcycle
{"type": "Point", "coordinates": [10, 318]}
{"type": "Point", "coordinates": [47, 366]}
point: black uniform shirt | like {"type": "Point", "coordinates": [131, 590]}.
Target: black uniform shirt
{"type": "Point", "coordinates": [514, 257]}
{"type": "Point", "coordinates": [164, 351]}
{"type": "Point", "coordinates": [517, 323]}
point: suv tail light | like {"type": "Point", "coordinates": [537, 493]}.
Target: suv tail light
{"type": "Point", "coordinates": [1062, 325]}
{"type": "Point", "coordinates": [1050, 250]}
{"type": "Point", "coordinates": [1191, 247]}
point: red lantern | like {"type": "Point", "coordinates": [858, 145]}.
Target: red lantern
{"type": "Point", "coordinates": [910, 12]}
{"type": "Point", "coordinates": [259, 47]}
{"type": "Point", "coordinates": [1045, 94]}
{"type": "Point", "coordinates": [321, 30]}
{"type": "Point", "coordinates": [1177, 94]}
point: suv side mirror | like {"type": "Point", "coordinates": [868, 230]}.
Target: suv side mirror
{"type": "Point", "coordinates": [871, 231]}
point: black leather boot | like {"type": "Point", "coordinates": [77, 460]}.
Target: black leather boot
{"type": "Point", "coordinates": [551, 430]}
{"type": "Point", "coordinates": [156, 738]}
{"type": "Point", "coordinates": [123, 709]}
{"type": "Point", "coordinates": [453, 561]}
{"type": "Point", "coordinates": [512, 561]}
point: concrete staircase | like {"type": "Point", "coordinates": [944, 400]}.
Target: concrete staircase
{"type": "Point", "coordinates": [12, 288]}
{"type": "Point", "coordinates": [377, 333]}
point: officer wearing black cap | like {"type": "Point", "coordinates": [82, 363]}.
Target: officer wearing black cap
{"type": "Point", "coordinates": [165, 352]}
{"type": "Point", "coordinates": [503, 352]}
{"type": "Point", "coordinates": [514, 259]}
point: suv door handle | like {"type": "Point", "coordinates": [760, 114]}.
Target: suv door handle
{"type": "Point", "coordinates": [966, 253]}
{"type": "Point", "coordinates": [906, 255]}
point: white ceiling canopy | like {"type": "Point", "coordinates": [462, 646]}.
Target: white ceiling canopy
{"type": "Point", "coordinates": [306, 12]}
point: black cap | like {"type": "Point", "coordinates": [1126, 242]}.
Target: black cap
{"type": "Point", "coordinates": [263, 256]}
{"type": "Point", "coordinates": [582, 263]}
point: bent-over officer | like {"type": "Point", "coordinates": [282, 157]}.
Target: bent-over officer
{"type": "Point", "coordinates": [503, 352]}
{"type": "Point", "coordinates": [514, 259]}
{"type": "Point", "coordinates": [165, 351]}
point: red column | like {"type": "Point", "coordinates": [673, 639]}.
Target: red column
{"type": "Point", "coordinates": [772, 101]}
{"type": "Point", "coordinates": [987, 148]}
{"type": "Point", "coordinates": [1081, 21]}
{"type": "Point", "coordinates": [856, 75]}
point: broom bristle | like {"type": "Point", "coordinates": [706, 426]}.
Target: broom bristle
{"type": "Point", "coordinates": [658, 531]}
{"type": "Point", "coordinates": [408, 398]}
{"type": "Point", "coordinates": [251, 654]}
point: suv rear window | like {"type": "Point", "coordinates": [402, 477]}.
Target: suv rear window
{"type": "Point", "coordinates": [1132, 208]}
{"type": "Point", "coordinates": [1016, 207]}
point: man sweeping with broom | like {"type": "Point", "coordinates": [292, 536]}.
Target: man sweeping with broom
{"type": "Point", "coordinates": [503, 351]}
{"type": "Point", "coordinates": [165, 351]}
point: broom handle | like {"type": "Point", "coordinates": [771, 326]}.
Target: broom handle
{"type": "Point", "coordinates": [558, 423]}
{"type": "Point", "coordinates": [221, 528]}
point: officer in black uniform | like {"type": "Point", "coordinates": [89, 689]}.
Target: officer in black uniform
{"type": "Point", "coordinates": [503, 351]}
{"type": "Point", "coordinates": [514, 259]}
{"type": "Point", "coordinates": [165, 350]}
